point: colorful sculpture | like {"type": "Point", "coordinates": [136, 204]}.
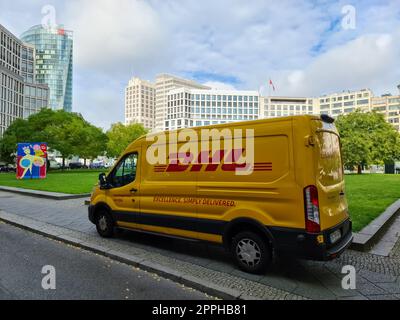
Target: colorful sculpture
{"type": "Point", "coordinates": [31, 160]}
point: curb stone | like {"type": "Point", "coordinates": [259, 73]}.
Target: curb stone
{"type": "Point", "coordinates": [373, 232]}
{"type": "Point", "coordinates": [44, 194]}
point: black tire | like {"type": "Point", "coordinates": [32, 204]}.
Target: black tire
{"type": "Point", "coordinates": [104, 224]}
{"type": "Point", "coordinates": [251, 252]}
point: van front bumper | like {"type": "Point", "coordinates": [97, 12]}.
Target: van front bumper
{"type": "Point", "coordinates": [299, 243]}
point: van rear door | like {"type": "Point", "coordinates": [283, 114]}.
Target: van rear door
{"type": "Point", "coordinates": [330, 176]}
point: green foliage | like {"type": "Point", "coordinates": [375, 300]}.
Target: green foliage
{"type": "Point", "coordinates": [367, 139]}
{"type": "Point", "coordinates": [18, 131]}
{"type": "Point", "coordinates": [94, 142]}
{"type": "Point", "coordinates": [120, 136]}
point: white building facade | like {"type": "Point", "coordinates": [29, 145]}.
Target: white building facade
{"type": "Point", "coordinates": [172, 103]}
{"type": "Point", "coordinates": [389, 106]}
{"type": "Point", "coordinates": [197, 107]}
{"type": "Point", "coordinates": [164, 84]}
{"type": "Point", "coordinates": [140, 103]}
{"type": "Point", "coordinates": [288, 106]}
{"type": "Point", "coordinates": [344, 102]}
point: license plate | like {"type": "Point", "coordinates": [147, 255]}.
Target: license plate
{"type": "Point", "coordinates": [335, 236]}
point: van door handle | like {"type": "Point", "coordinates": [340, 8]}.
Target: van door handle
{"type": "Point", "coordinates": [133, 190]}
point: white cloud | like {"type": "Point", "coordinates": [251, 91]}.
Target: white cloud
{"type": "Point", "coordinates": [116, 37]}
{"type": "Point", "coordinates": [300, 45]}
{"type": "Point", "coordinates": [296, 44]}
{"type": "Point", "coordinates": [366, 62]}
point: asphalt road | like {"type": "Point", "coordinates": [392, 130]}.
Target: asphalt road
{"type": "Point", "coordinates": [78, 274]}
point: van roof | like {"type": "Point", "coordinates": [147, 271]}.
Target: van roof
{"type": "Point", "coordinates": [228, 125]}
{"type": "Point", "coordinates": [234, 124]}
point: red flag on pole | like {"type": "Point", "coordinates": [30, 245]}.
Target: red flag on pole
{"type": "Point", "coordinates": [271, 84]}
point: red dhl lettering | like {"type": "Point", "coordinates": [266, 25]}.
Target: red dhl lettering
{"type": "Point", "coordinates": [183, 161]}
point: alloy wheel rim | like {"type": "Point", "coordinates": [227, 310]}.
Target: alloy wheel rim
{"type": "Point", "coordinates": [248, 252]}
{"type": "Point", "coordinates": [103, 223]}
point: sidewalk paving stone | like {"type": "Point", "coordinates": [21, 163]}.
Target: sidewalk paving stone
{"type": "Point", "coordinates": [368, 289]}
{"type": "Point", "coordinates": [391, 287]}
{"type": "Point", "coordinates": [382, 297]}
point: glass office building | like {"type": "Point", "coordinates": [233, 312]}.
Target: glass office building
{"type": "Point", "coordinates": [54, 63]}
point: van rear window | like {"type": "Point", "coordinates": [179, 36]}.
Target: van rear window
{"type": "Point", "coordinates": [330, 168]}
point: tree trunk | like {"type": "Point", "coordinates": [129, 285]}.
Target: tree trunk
{"type": "Point", "coordinates": [63, 163]}
{"type": "Point", "coordinates": [359, 169]}
{"type": "Point", "coordinates": [84, 162]}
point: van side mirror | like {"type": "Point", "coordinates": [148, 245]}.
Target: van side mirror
{"type": "Point", "coordinates": [103, 182]}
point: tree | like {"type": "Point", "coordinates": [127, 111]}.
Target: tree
{"type": "Point", "coordinates": [94, 142]}
{"type": "Point", "coordinates": [65, 132]}
{"type": "Point", "coordinates": [367, 139]}
{"type": "Point", "coordinates": [120, 136]}
{"type": "Point", "coordinates": [19, 131]}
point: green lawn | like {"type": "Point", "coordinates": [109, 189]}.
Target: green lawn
{"type": "Point", "coordinates": [74, 181]}
{"type": "Point", "coordinates": [368, 194]}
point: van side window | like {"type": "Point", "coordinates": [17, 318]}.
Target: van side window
{"type": "Point", "coordinates": [125, 172]}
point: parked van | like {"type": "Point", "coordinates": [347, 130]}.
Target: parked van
{"type": "Point", "coordinates": [279, 190]}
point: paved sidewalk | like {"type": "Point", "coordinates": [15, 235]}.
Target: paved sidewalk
{"type": "Point", "coordinates": [378, 277]}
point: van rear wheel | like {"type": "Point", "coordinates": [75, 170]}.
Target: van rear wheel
{"type": "Point", "coordinates": [104, 224]}
{"type": "Point", "coordinates": [251, 252]}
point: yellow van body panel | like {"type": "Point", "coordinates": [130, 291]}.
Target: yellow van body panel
{"type": "Point", "coordinates": [290, 153]}
{"type": "Point", "coordinates": [329, 175]}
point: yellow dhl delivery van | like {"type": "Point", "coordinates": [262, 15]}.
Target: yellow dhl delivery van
{"type": "Point", "coordinates": [291, 200]}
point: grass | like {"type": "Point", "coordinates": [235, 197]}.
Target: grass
{"type": "Point", "coordinates": [368, 194]}
{"type": "Point", "coordinates": [73, 182]}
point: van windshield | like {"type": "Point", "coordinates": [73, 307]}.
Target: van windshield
{"type": "Point", "coordinates": [330, 170]}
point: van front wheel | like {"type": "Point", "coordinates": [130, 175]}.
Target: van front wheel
{"type": "Point", "coordinates": [104, 224]}
{"type": "Point", "coordinates": [251, 252]}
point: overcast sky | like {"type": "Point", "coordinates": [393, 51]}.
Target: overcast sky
{"type": "Point", "coordinates": [307, 48]}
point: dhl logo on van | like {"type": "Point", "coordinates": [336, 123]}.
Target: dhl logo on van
{"type": "Point", "coordinates": [183, 161]}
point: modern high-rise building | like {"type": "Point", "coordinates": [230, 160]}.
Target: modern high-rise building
{"type": "Point", "coordinates": [165, 83]}
{"type": "Point", "coordinates": [12, 82]}
{"type": "Point", "coordinates": [20, 96]}
{"type": "Point", "coordinates": [199, 107]}
{"type": "Point", "coordinates": [54, 62]}
{"type": "Point", "coordinates": [36, 96]}
{"type": "Point", "coordinates": [140, 102]}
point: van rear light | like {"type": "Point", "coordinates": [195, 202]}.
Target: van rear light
{"type": "Point", "coordinates": [311, 208]}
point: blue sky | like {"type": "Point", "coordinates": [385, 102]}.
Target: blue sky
{"type": "Point", "coordinates": [301, 45]}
